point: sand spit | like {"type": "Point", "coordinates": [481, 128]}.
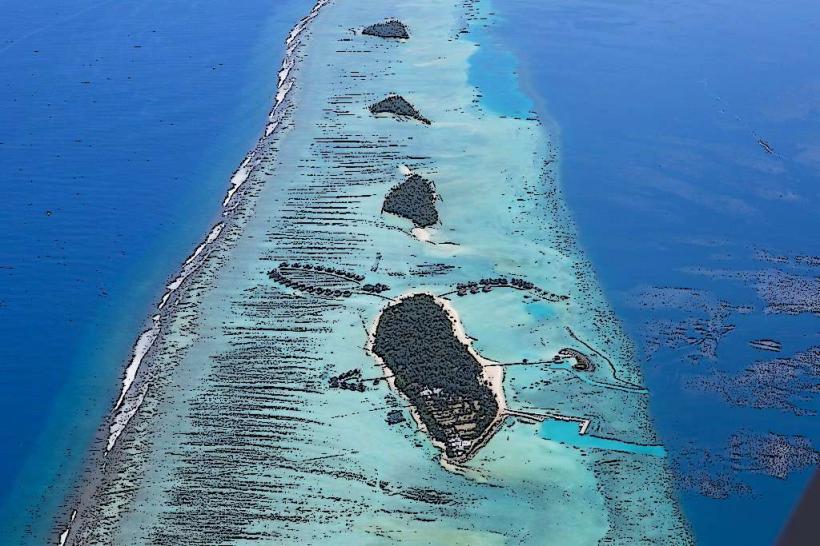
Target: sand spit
{"type": "Point", "coordinates": [64, 534]}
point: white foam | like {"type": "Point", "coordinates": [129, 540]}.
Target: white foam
{"type": "Point", "coordinates": [283, 92]}
{"type": "Point", "coordinates": [64, 534]}
{"type": "Point", "coordinates": [239, 177]}
{"type": "Point", "coordinates": [141, 348]}
{"type": "Point", "coordinates": [405, 170]}
{"type": "Point", "coordinates": [147, 338]}
{"type": "Point", "coordinates": [271, 128]}
{"type": "Point", "coordinates": [300, 26]}
{"type": "Point", "coordinates": [122, 418]}
{"type": "Point", "coordinates": [190, 265]}
{"type": "Point", "coordinates": [284, 85]}
{"type": "Point", "coordinates": [287, 64]}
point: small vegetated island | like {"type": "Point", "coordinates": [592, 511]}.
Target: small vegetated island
{"type": "Point", "coordinates": [413, 199]}
{"type": "Point", "coordinates": [388, 29]}
{"type": "Point", "coordinates": [398, 106]}
{"type": "Point", "coordinates": [453, 398]}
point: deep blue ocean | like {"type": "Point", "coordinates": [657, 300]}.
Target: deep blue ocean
{"type": "Point", "coordinates": [121, 123]}
{"type": "Point", "coordinates": [659, 107]}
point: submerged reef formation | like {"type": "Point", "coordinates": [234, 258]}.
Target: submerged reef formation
{"type": "Point", "coordinates": [388, 29]}
{"type": "Point", "coordinates": [787, 384]}
{"type": "Point", "coordinates": [774, 455]}
{"type": "Point", "coordinates": [791, 289]}
{"type": "Point", "coordinates": [767, 345]}
{"type": "Point", "coordinates": [723, 473]}
{"type": "Point", "coordinates": [397, 106]}
{"type": "Point", "coordinates": [689, 325]}
{"type": "Point", "coordinates": [787, 292]}
{"type": "Point", "coordinates": [690, 320]}
{"type": "Point", "coordinates": [414, 199]}
{"type": "Point", "coordinates": [438, 374]}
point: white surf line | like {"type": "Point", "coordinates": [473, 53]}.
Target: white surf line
{"type": "Point", "coordinates": [238, 178]}
{"type": "Point", "coordinates": [64, 534]}
{"type": "Point", "coordinates": [147, 338]}
{"type": "Point", "coordinates": [283, 87]}
{"type": "Point", "coordinates": [141, 348]}
{"type": "Point", "coordinates": [123, 417]}
{"type": "Point", "coordinates": [191, 264]}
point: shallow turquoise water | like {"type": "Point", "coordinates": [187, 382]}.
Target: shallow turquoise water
{"type": "Point", "coordinates": [567, 433]}
{"type": "Point", "coordinates": [658, 118]}
{"type": "Point", "coordinates": [540, 311]}
{"type": "Point", "coordinates": [493, 72]}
